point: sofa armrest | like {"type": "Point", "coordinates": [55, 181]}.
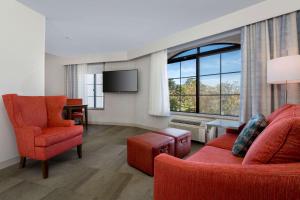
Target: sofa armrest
{"type": "Point", "coordinates": [26, 140]}
{"type": "Point", "coordinates": [61, 123]}
{"type": "Point", "coordinates": [176, 179]}
{"type": "Point", "coordinates": [235, 131]}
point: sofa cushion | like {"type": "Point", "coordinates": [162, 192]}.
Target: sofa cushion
{"type": "Point", "coordinates": [51, 136]}
{"type": "Point", "coordinates": [278, 143]}
{"type": "Point", "coordinates": [252, 129]}
{"type": "Point", "coordinates": [278, 111]}
{"type": "Point", "coordinates": [33, 110]}
{"type": "Point", "coordinates": [293, 111]}
{"type": "Point", "coordinates": [209, 154]}
{"type": "Point", "coordinates": [224, 141]}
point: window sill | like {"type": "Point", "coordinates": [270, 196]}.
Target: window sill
{"type": "Point", "coordinates": [205, 116]}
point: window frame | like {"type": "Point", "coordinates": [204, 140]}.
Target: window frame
{"type": "Point", "coordinates": [197, 56]}
{"type": "Point", "coordinates": [95, 94]}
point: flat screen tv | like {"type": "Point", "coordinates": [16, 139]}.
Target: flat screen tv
{"type": "Point", "coordinates": [120, 81]}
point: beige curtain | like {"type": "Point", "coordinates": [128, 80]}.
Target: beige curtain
{"type": "Point", "coordinates": [283, 37]}
{"type": "Point", "coordinates": [159, 103]}
{"type": "Point", "coordinates": [82, 70]}
{"type": "Point", "coordinates": [71, 85]}
{"type": "Point", "coordinates": [262, 41]}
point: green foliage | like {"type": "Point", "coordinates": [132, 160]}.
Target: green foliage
{"type": "Point", "coordinates": [184, 98]}
{"type": "Point", "coordinates": [175, 103]}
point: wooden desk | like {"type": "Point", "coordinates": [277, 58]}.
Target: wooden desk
{"type": "Point", "coordinates": [70, 108]}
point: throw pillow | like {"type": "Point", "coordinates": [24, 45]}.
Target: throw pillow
{"type": "Point", "coordinates": [279, 143]}
{"type": "Point", "coordinates": [252, 129]}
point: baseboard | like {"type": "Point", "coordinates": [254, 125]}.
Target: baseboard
{"type": "Point", "coordinates": [9, 162]}
{"type": "Point", "coordinates": [124, 124]}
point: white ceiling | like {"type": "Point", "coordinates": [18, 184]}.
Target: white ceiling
{"type": "Point", "coordinates": [80, 27]}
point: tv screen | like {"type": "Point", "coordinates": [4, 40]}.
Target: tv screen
{"type": "Point", "coordinates": [120, 81]}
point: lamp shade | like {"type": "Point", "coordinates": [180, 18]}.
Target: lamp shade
{"type": "Point", "coordinates": [284, 70]}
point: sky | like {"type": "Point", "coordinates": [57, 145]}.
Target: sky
{"type": "Point", "coordinates": [231, 62]}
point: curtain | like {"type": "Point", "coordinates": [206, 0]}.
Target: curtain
{"type": "Point", "coordinates": [82, 85]}
{"type": "Point", "coordinates": [298, 28]}
{"type": "Point", "coordinates": [159, 104]}
{"type": "Point", "coordinates": [76, 79]}
{"type": "Point", "coordinates": [260, 42]}
{"type": "Point", "coordinates": [283, 37]}
{"type": "Point", "coordinates": [71, 81]}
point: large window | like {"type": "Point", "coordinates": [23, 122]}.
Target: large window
{"type": "Point", "coordinates": [206, 80]}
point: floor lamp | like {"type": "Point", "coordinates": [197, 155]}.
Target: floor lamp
{"type": "Point", "coordinates": [284, 70]}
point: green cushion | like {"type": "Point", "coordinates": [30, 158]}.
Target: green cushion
{"type": "Point", "coordinates": [252, 129]}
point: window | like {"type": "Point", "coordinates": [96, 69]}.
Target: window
{"type": "Point", "coordinates": [206, 80]}
{"type": "Point", "coordinates": [182, 86]}
{"type": "Point", "coordinates": [94, 86]}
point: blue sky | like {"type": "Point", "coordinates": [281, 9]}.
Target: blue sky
{"type": "Point", "coordinates": [231, 62]}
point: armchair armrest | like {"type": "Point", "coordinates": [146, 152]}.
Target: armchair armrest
{"type": "Point", "coordinates": [176, 179]}
{"type": "Point", "coordinates": [235, 131]}
{"type": "Point", "coordinates": [61, 123]}
{"type": "Point", "coordinates": [26, 139]}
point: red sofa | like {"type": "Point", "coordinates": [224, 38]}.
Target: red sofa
{"type": "Point", "coordinates": [214, 173]}
{"type": "Point", "coordinates": [40, 131]}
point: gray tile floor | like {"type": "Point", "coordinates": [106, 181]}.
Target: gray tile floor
{"type": "Point", "coordinates": [102, 173]}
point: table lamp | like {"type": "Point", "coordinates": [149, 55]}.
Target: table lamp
{"type": "Point", "coordinates": [284, 70]}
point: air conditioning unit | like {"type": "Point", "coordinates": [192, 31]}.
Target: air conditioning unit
{"type": "Point", "coordinates": [197, 126]}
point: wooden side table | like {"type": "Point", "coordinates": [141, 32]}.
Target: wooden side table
{"type": "Point", "coordinates": [70, 108]}
{"type": "Point", "coordinates": [221, 124]}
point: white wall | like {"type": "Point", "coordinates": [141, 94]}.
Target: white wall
{"type": "Point", "coordinates": [119, 108]}
{"type": "Point", "coordinates": [94, 58]}
{"type": "Point", "coordinates": [22, 50]}
{"type": "Point", "coordinates": [54, 75]}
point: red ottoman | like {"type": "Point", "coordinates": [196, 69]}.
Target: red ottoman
{"type": "Point", "coordinates": [142, 149]}
{"type": "Point", "coordinates": [182, 140]}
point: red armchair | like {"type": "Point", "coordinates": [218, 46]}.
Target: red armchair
{"type": "Point", "coordinates": [41, 133]}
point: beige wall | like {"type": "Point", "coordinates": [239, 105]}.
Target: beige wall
{"type": "Point", "coordinates": [119, 108]}
{"type": "Point", "coordinates": [54, 75]}
{"type": "Point", "coordinates": [22, 50]}
{"type": "Point", "coordinates": [131, 109]}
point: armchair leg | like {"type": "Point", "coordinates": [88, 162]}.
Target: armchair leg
{"type": "Point", "coordinates": [45, 168]}
{"type": "Point", "coordinates": [22, 162]}
{"type": "Point", "coordinates": [79, 151]}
